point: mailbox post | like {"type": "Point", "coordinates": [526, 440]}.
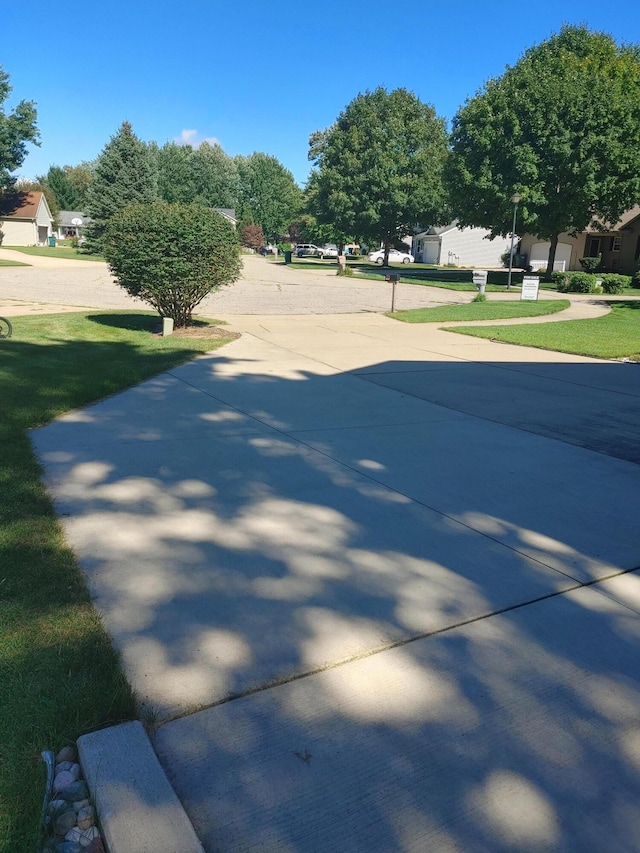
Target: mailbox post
{"type": "Point", "coordinates": [480, 279]}
{"type": "Point", "coordinates": [393, 278]}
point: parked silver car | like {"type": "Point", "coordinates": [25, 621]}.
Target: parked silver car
{"type": "Point", "coordinates": [308, 250]}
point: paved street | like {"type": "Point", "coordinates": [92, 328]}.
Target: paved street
{"type": "Point", "coordinates": [265, 288]}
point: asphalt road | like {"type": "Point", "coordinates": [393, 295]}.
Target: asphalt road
{"type": "Point", "coordinates": [264, 288]}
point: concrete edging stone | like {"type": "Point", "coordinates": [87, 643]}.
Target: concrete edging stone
{"type": "Point", "coordinates": [137, 807]}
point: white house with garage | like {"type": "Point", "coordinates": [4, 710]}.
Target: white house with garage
{"type": "Point", "coordinates": [25, 219]}
{"type": "Point", "coordinates": [461, 247]}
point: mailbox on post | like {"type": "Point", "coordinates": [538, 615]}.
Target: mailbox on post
{"type": "Point", "coordinates": [393, 278]}
{"type": "Point", "coordinates": [480, 279]}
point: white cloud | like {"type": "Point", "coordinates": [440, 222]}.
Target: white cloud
{"type": "Point", "coordinates": [190, 137]}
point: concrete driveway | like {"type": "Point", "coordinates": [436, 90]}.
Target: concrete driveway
{"type": "Point", "coordinates": [377, 582]}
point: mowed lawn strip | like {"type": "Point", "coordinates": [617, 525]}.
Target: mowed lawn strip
{"type": "Point", "coordinates": [615, 336]}
{"type": "Point", "coordinates": [68, 253]}
{"type": "Point", "coordinates": [481, 311]}
{"type": "Point", "coordinates": [59, 676]}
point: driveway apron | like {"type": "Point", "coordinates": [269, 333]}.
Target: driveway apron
{"type": "Point", "coordinates": [375, 583]}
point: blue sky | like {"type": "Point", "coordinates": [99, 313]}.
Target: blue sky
{"type": "Point", "coordinates": [258, 76]}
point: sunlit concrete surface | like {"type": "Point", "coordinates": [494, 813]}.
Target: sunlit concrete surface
{"type": "Point", "coordinates": [515, 733]}
{"type": "Point", "coordinates": [318, 499]}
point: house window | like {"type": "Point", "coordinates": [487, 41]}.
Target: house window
{"type": "Point", "coordinates": [615, 244]}
{"type": "Point", "coordinates": [637, 254]}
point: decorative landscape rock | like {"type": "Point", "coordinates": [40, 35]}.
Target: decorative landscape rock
{"type": "Point", "coordinates": [74, 792]}
{"type": "Point", "coordinates": [67, 815]}
{"type": "Point", "coordinates": [82, 836]}
{"type": "Point", "coordinates": [67, 753]}
{"type": "Point", "coordinates": [64, 822]}
{"type": "Point", "coordinates": [62, 780]}
{"type": "Point", "coordinates": [86, 817]}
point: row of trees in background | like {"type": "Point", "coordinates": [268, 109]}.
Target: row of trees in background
{"type": "Point", "coordinates": [128, 171]}
{"type": "Point", "coordinates": [561, 128]}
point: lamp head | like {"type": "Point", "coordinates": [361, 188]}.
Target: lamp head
{"type": "Point", "coordinates": [516, 198]}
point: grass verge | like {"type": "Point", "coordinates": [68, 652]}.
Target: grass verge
{"type": "Point", "coordinates": [615, 336]}
{"type": "Point", "coordinates": [481, 311]}
{"type": "Point", "coordinates": [4, 263]}
{"type": "Point", "coordinates": [65, 252]}
{"type": "Point", "coordinates": [59, 676]}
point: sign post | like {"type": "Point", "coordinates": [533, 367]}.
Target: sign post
{"type": "Point", "coordinates": [393, 278]}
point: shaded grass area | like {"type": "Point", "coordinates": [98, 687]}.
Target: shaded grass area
{"type": "Point", "coordinates": [59, 676]}
{"type": "Point", "coordinates": [615, 336]}
{"type": "Point", "coordinates": [66, 252]}
{"type": "Point", "coordinates": [481, 311]}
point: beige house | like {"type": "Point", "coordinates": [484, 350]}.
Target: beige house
{"type": "Point", "coordinates": [619, 247]}
{"type": "Point", "coordinates": [25, 219]}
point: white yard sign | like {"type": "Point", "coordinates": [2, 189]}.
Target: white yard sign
{"type": "Point", "coordinates": [530, 286]}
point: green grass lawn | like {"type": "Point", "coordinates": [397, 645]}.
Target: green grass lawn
{"type": "Point", "coordinates": [66, 252]}
{"type": "Point", "coordinates": [481, 311]}
{"type": "Point", "coordinates": [617, 335]}
{"type": "Point", "coordinates": [4, 263]}
{"type": "Point", "coordinates": [59, 676]}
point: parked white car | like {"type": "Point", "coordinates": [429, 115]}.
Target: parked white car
{"type": "Point", "coordinates": [395, 257]}
{"type": "Point", "coordinates": [330, 250]}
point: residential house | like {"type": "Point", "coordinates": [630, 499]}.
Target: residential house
{"type": "Point", "coordinates": [71, 223]}
{"type": "Point", "coordinates": [228, 213]}
{"type": "Point", "coordinates": [25, 218]}
{"type": "Point", "coordinates": [619, 246]}
{"type": "Point", "coordinates": [462, 247]}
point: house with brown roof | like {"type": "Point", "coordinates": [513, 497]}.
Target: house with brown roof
{"type": "Point", "coordinates": [617, 244]}
{"type": "Point", "coordinates": [25, 219]}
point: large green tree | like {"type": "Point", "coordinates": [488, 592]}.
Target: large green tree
{"type": "Point", "coordinates": [380, 167]}
{"type": "Point", "coordinates": [215, 176]}
{"type": "Point", "coordinates": [203, 175]}
{"type": "Point", "coordinates": [125, 174]}
{"type": "Point", "coordinates": [16, 129]}
{"type": "Point", "coordinates": [175, 174]}
{"type": "Point", "coordinates": [561, 128]}
{"type": "Point", "coordinates": [81, 177]}
{"type": "Point", "coordinates": [268, 194]}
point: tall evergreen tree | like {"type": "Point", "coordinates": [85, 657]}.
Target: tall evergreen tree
{"type": "Point", "coordinates": [58, 182]}
{"type": "Point", "coordinates": [125, 174]}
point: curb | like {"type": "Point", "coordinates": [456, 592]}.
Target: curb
{"type": "Point", "coordinates": [137, 808]}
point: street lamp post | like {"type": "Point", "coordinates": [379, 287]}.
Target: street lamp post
{"type": "Point", "coordinates": [515, 200]}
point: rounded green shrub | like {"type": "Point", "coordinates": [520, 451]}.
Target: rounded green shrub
{"type": "Point", "coordinates": [561, 280]}
{"type": "Point", "coordinates": [614, 282]}
{"type": "Point", "coordinates": [582, 282]}
{"type": "Point", "coordinates": [172, 255]}
{"type": "Point", "coordinates": [590, 264]}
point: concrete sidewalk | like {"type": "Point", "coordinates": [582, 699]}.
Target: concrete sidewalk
{"type": "Point", "coordinates": [410, 553]}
